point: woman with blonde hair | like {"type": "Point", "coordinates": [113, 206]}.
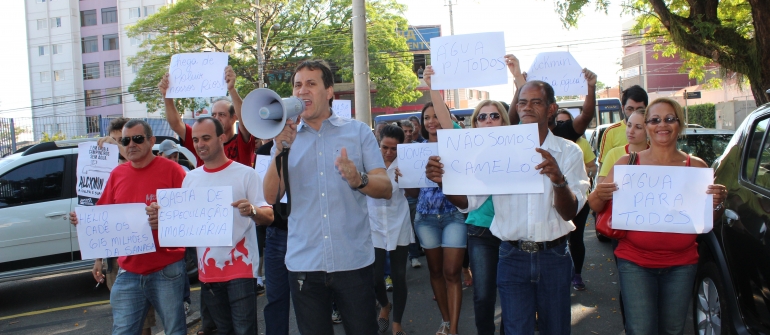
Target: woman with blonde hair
{"type": "Point", "coordinates": [657, 270]}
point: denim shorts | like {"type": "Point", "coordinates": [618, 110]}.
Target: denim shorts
{"type": "Point", "coordinates": [441, 230]}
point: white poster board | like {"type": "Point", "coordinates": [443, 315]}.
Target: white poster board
{"type": "Point", "coordinates": [197, 75]}
{"type": "Point", "coordinates": [669, 199]}
{"type": "Point", "coordinates": [342, 108]}
{"type": "Point", "coordinates": [412, 159]}
{"type": "Point", "coordinates": [471, 60]}
{"type": "Point", "coordinates": [196, 217]}
{"type": "Point", "coordinates": [262, 164]}
{"type": "Point", "coordinates": [494, 160]}
{"type": "Point", "coordinates": [561, 70]}
{"type": "Point", "coordinates": [93, 170]}
{"type": "Point", "coordinates": [113, 231]}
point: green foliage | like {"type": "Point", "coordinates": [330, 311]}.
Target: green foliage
{"type": "Point", "coordinates": [292, 30]}
{"type": "Point", "coordinates": [58, 136]}
{"type": "Point", "coordinates": [702, 114]}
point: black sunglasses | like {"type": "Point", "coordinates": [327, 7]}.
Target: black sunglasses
{"type": "Point", "coordinates": [138, 139]}
{"type": "Point", "coordinates": [667, 120]}
{"type": "Point", "coordinates": [492, 116]}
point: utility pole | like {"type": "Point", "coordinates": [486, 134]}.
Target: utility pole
{"type": "Point", "coordinates": [260, 54]}
{"type": "Point", "coordinates": [361, 64]}
{"type": "Point", "coordinates": [452, 31]}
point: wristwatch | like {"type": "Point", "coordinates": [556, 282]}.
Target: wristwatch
{"type": "Point", "coordinates": [562, 184]}
{"type": "Point", "coordinates": [364, 180]}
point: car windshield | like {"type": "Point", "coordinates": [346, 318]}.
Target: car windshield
{"type": "Point", "coordinates": [704, 146]}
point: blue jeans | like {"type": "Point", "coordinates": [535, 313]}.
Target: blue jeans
{"type": "Point", "coordinates": [276, 283]}
{"type": "Point", "coordinates": [352, 291]}
{"type": "Point", "coordinates": [535, 282]}
{"type": "Point", "coordinates": [655, 300]}
{"type": "Point", "coordinates": [441, 230]}
{"type": "Point", "coordinates": [232, 305]}
{"type": "Point", "coordinates": [483, 250]}
{"type": "Point", "coordinates": [132, 294]}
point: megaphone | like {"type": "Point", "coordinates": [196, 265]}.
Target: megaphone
{"type": "Point", "coordinates": [264, 112]}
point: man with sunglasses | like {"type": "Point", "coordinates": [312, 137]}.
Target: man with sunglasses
{"type": "Point", "coordinates": [633, 98]}
{"type": "Point", "coordinates": [153, 279]}
{"type": "Point", "coordinates": [238, 148]}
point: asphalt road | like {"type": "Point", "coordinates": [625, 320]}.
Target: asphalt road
{"type": "Point", "coordinates": [69, 303]}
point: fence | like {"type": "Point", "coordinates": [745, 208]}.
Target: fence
{"type": "Point", "coordinates": [17, 133]}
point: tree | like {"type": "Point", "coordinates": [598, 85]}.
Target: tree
{"type": "Point", "coordinates": [732, 33]}
{"type": "Point", "coordinates": [292, 30]}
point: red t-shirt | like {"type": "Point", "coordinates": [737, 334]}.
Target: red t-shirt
{"type": "Point", "coordinates": [658, 250]}
{"type": "Point", "coordinates": [236, 148]}
{"type": "Point", "coordinates": [128, 184]}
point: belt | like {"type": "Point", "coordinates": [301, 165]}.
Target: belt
{"type": "Point", "coordinates": [530, 246]}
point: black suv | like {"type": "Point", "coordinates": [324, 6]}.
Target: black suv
{"type": "Point", "coordinates": [732, 288]}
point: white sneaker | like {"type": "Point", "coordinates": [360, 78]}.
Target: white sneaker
{"type": "Point", "coordinates": [416, 263]}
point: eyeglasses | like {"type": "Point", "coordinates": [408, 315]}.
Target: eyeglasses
{"type": "Point", "coordinates": [667, 120]}
{"type": "Point", "coordinates": [492, 116]}
{"type": "Point", "coordinates": [138, 139]}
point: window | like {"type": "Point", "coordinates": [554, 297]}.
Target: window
{"type": "Point", "coordinates": [42, 50]}
{"type": "Point", "coordinates": [45, 77]}
{"type": "Point", "coordinates": [110, 42]}
{"type": "Point", "coordinates": [92, 98]}
{"type": "Point", "coordinates": [55, 22]}
{"type": "Point", "coordinates": [34, 182]}
{"type": "Point", "coordinates": [134, 68]}
{"type": "Point", "coordinates": [758, 151]}
{"type": "Point", "coordinates": [149, 10]}
{"type": "Point", "coordinates": [112, 68]}
{"type": "Point", "coordinates": [109, 15]}
{"type": "Point", "coordinates": [58, 75]}
{"type": "Point", "coordinates": [57, 49]}
{"type": "Point", "coordinates": [134, 12]}
{"type": "Point", "coordinates": [113, 96]}
{"type": "Point", "coordinates": [136, 40]}
{"type": "Point", "coordinates": [88, 18]}
{"type": "Point", "coordinates": [90, 71]}
{"type": "Point", "coordinates": [89, 44]}
{"type": "Point", "coordinates": [42, 24]}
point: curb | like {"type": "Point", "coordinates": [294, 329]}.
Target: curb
{"type": "Point", "coordinates": [193, 318]}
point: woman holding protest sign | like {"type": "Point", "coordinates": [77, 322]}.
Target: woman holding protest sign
{"type": "Point", "coordinates": [440, 227]}
{"type": "Point", "coordinates": [636, 134]}
{"type": "Point", "coordinates": [657, 270]}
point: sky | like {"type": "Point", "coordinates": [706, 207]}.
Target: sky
{"type": "Point", "coordinates": [530, 27]}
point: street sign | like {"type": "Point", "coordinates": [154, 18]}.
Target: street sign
{"type": "Point", "coordinates": [692, 95]}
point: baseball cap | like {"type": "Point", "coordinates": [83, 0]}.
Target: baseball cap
{"type": "Point", "coordinates": [168, 147]}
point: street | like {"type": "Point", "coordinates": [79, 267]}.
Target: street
{"type": "Point", "coordinates": [69, 303]}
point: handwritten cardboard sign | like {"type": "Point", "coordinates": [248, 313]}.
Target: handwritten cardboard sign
{"type": "Point", "coordinates": [196, 217]}
{"type": "Point", "coordinates": [93, 170]}
{"type": "Point", "coordinates": [194, 75]}
{"type": "Point", "coordinates": [494, 160]}
{"type": "Point", "coordinates": [412, 159]}
{"type": "Point", "coordinates": [113, 231]}
{"type": "Point", "coordinates": [262, 164]}
{"type": "Point", "coordinates": [561, 70]}
{"type": "Point", "coordinates": [666, 199]}
{"type": "Point", "coordinates": [342, 108]}
{"type": "Point", "coordinates": [471, 60]}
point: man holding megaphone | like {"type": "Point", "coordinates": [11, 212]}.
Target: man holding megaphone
{"type": "Point", "coordinates": [334, 163]}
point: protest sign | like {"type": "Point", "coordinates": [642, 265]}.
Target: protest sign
{"type": "Point", "coordinates": [412, 159]}
{"type": "Point", "coordinates": [93, 170]}
{"type": "Point", "coordinates": [471, 60]}
{"type": "Point", "coordinates": [342, 108]}
{"type": "Point", "coordinates": [193, 75]}
{"type": "Point", "coordinates": [561, 70]}
{"type": "Point", "coordinates": [667, 199]}
{"type": "Point", "coordinates": [494, 160]}
{"type": "Point", "coordinates": [113, 231]}
{"type": "Point", "coordinates": [196, 217]}
{"type": "Point", "coordinates": [262, 164]}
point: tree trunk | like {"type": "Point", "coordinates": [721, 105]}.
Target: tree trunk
{"type": "Point", "coordinates": [760, 12]}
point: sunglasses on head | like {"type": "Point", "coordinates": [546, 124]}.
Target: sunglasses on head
{"type": "Point", "coordinates": [138, 139]}
{"type": "Point", "coordinates": [492, 116]}
{"type": "Point", "coordinates": [668, 120]}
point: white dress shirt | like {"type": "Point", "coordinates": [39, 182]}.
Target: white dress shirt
{"type": "Point", "coordinates": [533, 217]}
{"type": "Point", "coordinates": [389, 219]}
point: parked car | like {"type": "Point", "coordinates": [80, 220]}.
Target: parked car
{"type": "Point", "coordinates": [732, 288]}
{"type": "Point", "coordinates": [37, 192]}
